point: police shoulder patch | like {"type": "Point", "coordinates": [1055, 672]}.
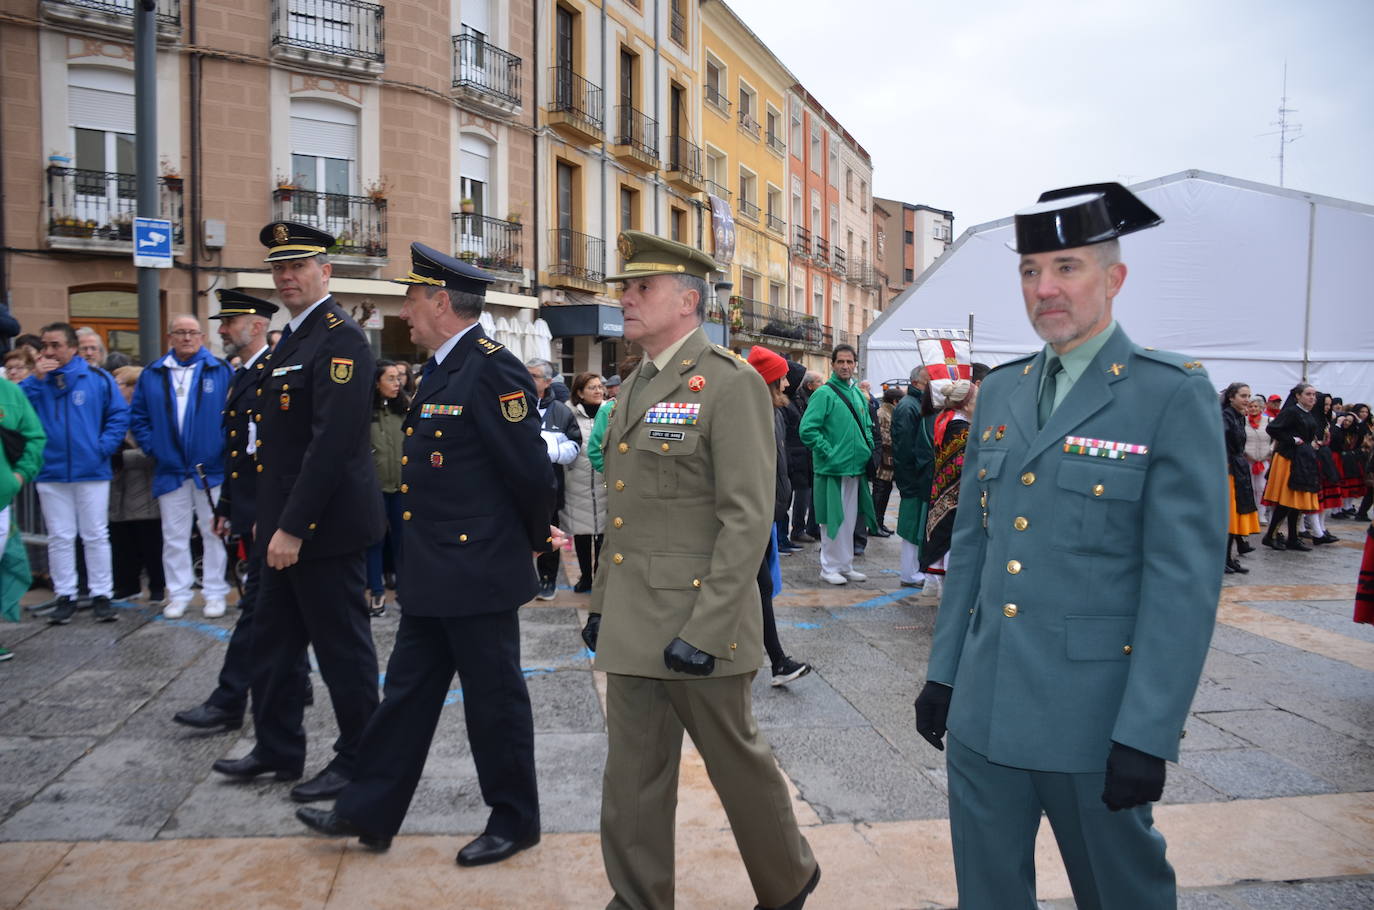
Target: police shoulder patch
{"type": "Point", "coordinates": [514, 407]}
{"type": "Point", "coordinates": [341, 370]}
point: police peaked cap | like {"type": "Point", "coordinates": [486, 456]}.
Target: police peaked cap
{"type": "Point", "coordinates": [430, 267]}
{"type": "Point", "coordinates": [237, 303]}
{"type": "Point", "coordinates": [291, 240]}
{"type": "Point", "coordinates": [1080, 216]}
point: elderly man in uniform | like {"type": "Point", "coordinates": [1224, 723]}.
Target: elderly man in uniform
{"type": "Point", "coordinates": [478, 488]}
{"type": "Point", "coordinates": [676, 621]}
{"type": "Point", "coordinates": [319, 507]}
{"type": "Point", "coordinates": [1081, 599]}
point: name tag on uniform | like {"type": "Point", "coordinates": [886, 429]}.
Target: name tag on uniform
{"type": "Point", "coordinates": [282, 371]}
{"type": "Point", "coordinates": [1102, 448]}
{"type": "Point", "coordinates": [440, 410]}
{"type": "Point", "coordinates": [681, 412]}
{"type": "Point", "coordinates": [667, 434]}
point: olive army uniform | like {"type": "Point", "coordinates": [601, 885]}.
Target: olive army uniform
{"type": "Point", "coordinates": [689, 465]}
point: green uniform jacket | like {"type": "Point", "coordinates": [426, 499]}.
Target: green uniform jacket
{"type": "Point", "coordinates": [689, 508]}
{"type": "Point", "coordinates": [1083, 589]}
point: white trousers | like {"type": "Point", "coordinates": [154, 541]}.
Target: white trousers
{"type": "Point", "coordinates": [178, 507]}
{"type": "Point", "coordinates": [1257, 482]}
{"type": "Point", "coordinates": [78, 508]}
{"type": "Point", "coordinates": [4, 528]}
{"type": "Point", "coordinates": [911, 563]}
{"type": "Point", "coordinates": [837, 554]}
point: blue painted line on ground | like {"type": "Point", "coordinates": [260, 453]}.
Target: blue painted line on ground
{"type": "Point", "coordinates": [802, 625]}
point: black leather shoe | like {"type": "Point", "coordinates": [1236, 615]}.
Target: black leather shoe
{"type": "Point", "coordinates": [208, 717]}
{"type": "Point", "coordinates": [583, 586]}
{"type": "Point", "coordinates": [1297, 544]}
{"type": "Point", "coordinates": [1244, 546]}
{"type": "Point", "coordinates": [251, 766]}
{"type": "Point", "coordinates": [883, 532]}
{"type": "Point", "coordinates": [1235, 566]}
{"type": "Point", "coordinates": [1328, 537]}
{"type": "Point", "coordinates": [325, 785]}
{"type": "Point", "coordinates": [1228, 570]}
{"type": "Point", "coordinates": [328, 822]}
{"type": "Point", "coordinates": [492, 848]}
{"type": "Point", "coordinates": [799, 901]}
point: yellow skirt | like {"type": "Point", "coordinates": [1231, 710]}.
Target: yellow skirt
{"type": "Point", "coordinates": [1240, 524]}
{"type": "Point", "coordinates": [1276, 492]}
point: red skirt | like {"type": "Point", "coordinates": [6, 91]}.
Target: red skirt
{"type": "Point", "coordinates": [1333, 483]}
{"type": "Point", "coordinates": [1364, 588]}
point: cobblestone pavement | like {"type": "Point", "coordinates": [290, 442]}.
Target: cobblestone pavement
{"type": "Point", "coordinates": [104, 802]}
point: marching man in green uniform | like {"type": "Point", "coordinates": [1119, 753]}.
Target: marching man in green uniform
{"type": "Point", "coordinates": [1083, 590]}
{"type": "Point", "coordinates": [676, 621]}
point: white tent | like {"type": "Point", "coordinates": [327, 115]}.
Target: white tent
{"type": "Point", "coordinates": [1264, 285]}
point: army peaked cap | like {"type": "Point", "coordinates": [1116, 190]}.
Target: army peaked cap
{"type": "Point", "coordinates": [430, 267]}
{"type": "Point", "coordinates": [1080, 216]}
{"type": "Point", "coordinates": [290, 240]}
{"type": "Point", "coordinates": [647, 255]}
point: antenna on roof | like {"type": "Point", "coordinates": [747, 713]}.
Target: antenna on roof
{"type": "Point", "coordinates": [1287, 132]}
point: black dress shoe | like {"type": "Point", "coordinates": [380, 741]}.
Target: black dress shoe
{"type": "Point", "coordinates": [1228, 570]}
{"type": "Point", "coordinates": [325, 785]}
{"type": "Point", "coordinates": [329, 823]}
{"type": "Point", "coordinates": [1328, 537]}
{"type": "Point", "coordinates": [1244, 546]}
{"type": "Point", "coordinates": [1297, 544]}
{"type": "Point", "coordinates": [251, 766]}
{"type": "Point", "coordinates": [799, 901]}
{"type": "Point", "coordinates": [492, 848]}
{"type": "Point", "coordinates": [1234, 565]}
{"type": "Point", "coordinates": [207, 717]}
{"type": "Point", "coordinates": [882, 532]}
{"type": "Point", "coordinates": [583, 586]}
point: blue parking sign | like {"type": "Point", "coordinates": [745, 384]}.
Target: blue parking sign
{"type": "Point", "coordinates": [152, 243]}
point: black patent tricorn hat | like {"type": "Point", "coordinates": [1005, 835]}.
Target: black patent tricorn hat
{"type": "Point", "coordinates": [1080, 216]}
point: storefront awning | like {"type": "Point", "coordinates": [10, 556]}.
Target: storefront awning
{"type": "Point", "coordinates": [596, 319]}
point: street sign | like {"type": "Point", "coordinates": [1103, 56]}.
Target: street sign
{"type": "Point", "coordinates": [152, 243]}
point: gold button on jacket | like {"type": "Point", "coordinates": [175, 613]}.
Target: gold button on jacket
{"type": "Point", "coordinates": [1021, 523]}
{"type": "Point", "coordinates": [1009, 610]}
{"type": "Point", "coordinates": [1028, 478]}
{"type": "Point", "coordinates": [1014, 567]}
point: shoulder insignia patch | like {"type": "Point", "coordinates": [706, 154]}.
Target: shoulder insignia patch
{"type": "Point", "coordinates": [513, 406]}
{"type": "Point", "coordinates": [1192, 365]}
{"type": "Point", "coordinates": [1026, 371]}
{"type": "Point", "coordinates": [488, 346]}
{"type": "Point", "coordinates": [340, 370]}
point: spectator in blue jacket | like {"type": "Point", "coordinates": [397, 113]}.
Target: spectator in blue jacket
{"type": "Point", "coordinates": [176, 417]}
{"type": "Point", "coordinates": [85, 418]}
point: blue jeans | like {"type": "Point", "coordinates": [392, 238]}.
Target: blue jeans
{"type": "Point", "coordinates": [392, 503]}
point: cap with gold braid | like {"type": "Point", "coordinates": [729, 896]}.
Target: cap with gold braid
{"type": "Point", "coordinates": [430, 267]}
{"type": "Point", "coordinates": [237, 303]}
{"type": "Point", "coordinates": [646, 255]}
{"type": "Point", "coordinates": [289, 240]}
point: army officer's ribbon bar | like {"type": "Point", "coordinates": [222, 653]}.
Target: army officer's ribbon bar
{"type": "Point", "coordinates": [1102, 448]}
{"type": "Point", "coordinates": [679, 412]}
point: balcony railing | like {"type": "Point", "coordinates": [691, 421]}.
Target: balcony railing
{"type": "Point", "coordinates": [488, 243]}
{"type": "Point", "coordinates": [776, 224]}
{"type": "Point", "coordinates": [638, 132]}
{"type": "Point", "coordinates": [716, 189]}
{"type": "Point", "coordinates": [776, 144]}
{"type": "Point", "coordinates": [577, 99]}
{"type": "Point", "coordinates": [748, 209]}
{"type": "Point", "coordinates": [114, 12]}
{"type": "Point", "coordinates": [358, 223]}
{"type": "Point", "coordinates": [341, 28]}
{"type": "Point", "coordinates": [98, 205]}
{"type": "Point", "coordinates": [821, 250]}
{"type": "Point", "coordinates": [578, 256]}
{"type": "Point", "coordinates": [758, 318]}
{"type": "Point", "coordinates": [748, 124]}
{"type": "Point", "coordinates": [801, 241]}
{"type": "Point", "coordinates": [837, 260]}
{"type": "Point", "coordinates": [717, 99]}
{"type": "Point", "coordinates": [486, 71]}
{"type": "Point", "coordinates": [685, 158]}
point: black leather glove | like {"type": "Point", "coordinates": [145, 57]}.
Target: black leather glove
{"type": "Point", "coordinates": [932, 710]}
{"type": "Point", "coordinates": [1134, 778]}
{"type": "Point", "coordinates": [681, 657]}
{"type": "Point", "coordinates": [591, 630]}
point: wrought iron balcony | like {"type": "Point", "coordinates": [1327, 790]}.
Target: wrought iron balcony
{"type": "Point", "coordinates": [684, 164]}
{"type": "Point", "coordinates": [344, 34]}
{"type": "Point", "coordinates": [114, 15]}
{"type": "Point", "coordinates": [717, 99]}
{"type": "Point", "coordinates": [576, 256]}
{"type": "Point", "coordinates": [575, 105]}
{"type": "Point", "coordinates": [748, 124]}
{"type": "Point", "coordinates": [758, 318]}
{"type": "Point", "coordinates": [716, 189]}
{"type": "Point", "coordinates": [96, 209]}
{"type": "Point", "coordinates": [837, 260]}
{"type": "Point", "coordinates": [821, 250]}
{"type": "Point", "coordinates": [636, 137]}
{"type": "Point", "coordinates": [358, 223]}
{"type": "Point", "coordinates": [776, 224]}
{"type": "Point", "coordinates": [801, 241]}
{"type": "Point", "coordinates": [748, 209]}
{"type": "Point", "coordinates": [488, 243]}
{"type": "Point", "coordinates": [776, 144]}
{"type": "Point", "coordinates": [486, 73]}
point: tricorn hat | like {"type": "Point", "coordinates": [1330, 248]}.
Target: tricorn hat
{"type": "Point", "coordinates": [430, 267]}
{"type": "Point", "coordinates": [1080, 216]}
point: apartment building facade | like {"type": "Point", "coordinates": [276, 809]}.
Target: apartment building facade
{"type": "Point", "coordinates": [916, 236]}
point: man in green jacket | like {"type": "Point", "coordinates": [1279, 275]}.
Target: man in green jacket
{"type": "Point", "coordinates": [22, 456]}
{"type": "Point", "coordinates": [839, 432]}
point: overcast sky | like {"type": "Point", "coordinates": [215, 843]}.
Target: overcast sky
{"type": "Point", "coordinates": [977, 107]}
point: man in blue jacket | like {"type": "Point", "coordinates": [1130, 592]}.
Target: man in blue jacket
{"type": "Point", "coordinates": [85, 417]}
{"type": "Point", "coordinates": [176, 417]}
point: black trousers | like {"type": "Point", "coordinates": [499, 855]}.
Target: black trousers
{"type": "Point", "coordinates": [882, 495]}
{"type": "Point", "coordinates": [771, 643]}
{"type": "Point", "coordinates": [588, 548]}
{"type": "Point", "coordinates": [804, 512]}
{"type": "Point", "coordinates": [485, 653]}
{"type": "Point", "coordinates": [135, 547]}
{"type": "Point", "coordinates": [320, 602]}
{"type": "Point", "coordinates": [236, 675]}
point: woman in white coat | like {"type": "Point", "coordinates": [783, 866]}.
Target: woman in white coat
{"type": "Point", "coordinates": [1258, 447]}
{"type": "Point", "coordinates": [584, 506]}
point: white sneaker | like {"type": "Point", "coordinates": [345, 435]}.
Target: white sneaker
{"type": "Point", "coordinates": [835, 578]}
{"type": "Point", "coordinates": [175, 609]}
{"type": "Point", "coordinates": [855, 576]}
{"type": "Point", "coordinates": [934, 585]}
{"type": "Point", "coordinates": [213, 608]}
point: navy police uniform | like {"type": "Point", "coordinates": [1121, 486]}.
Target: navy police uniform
{"type": "Point", "coordinates": [317, 482]}
{"type": "Point", "coordinates": [1079, 604]}
{"type": "Point", "coordinates": [478, 490]}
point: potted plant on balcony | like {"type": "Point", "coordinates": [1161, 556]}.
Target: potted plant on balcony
{"type": "Point", "coordinates": [171, 175]}
{"type": "Point", "coordinates": [467, 206]}
{"type": "Point", "coordinates": [121, 227]}
{"type": "Point", "coordinates": [376, 190]}
{"type": "Point", "coordinates": [285, 188]}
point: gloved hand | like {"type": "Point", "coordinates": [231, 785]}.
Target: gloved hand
{"type": "Point", "coordinates": [681, 657]}
{"type": "Point", "coordinates": [1134, 778]}
{"type": "Point", "coordinates": [932, 710]}
{"type": "Point", "coordinates": [591, 630]}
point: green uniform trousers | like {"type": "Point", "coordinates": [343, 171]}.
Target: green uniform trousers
{"type": "Point", "coordinates": [1115, 860]}
{"type": "Point", "coordinates": [645, 720]}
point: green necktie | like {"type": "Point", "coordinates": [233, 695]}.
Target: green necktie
{"type": "Point", "coordinates": [647, 371]}
{"type": "Point", "coordinates": [1053, 367]}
